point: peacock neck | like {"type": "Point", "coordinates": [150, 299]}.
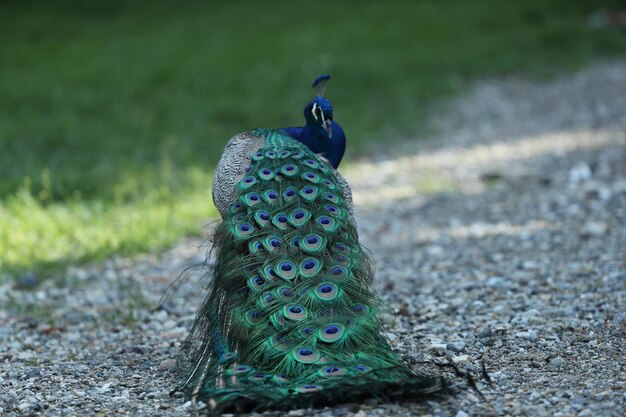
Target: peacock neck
{"type": "Point", "coordinates": [317, 140]}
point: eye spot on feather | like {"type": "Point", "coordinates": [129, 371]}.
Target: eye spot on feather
{"type": "Point", "coordinates": [328, 184]}
{"type": "Point", "coordinates": [341, 247]}
{"type": "Point", "coordinates": [310, 267]}
{"type": "Point", "coordinates": [244, 230]}
{"type": "Point", "coordinates": [294, 312]}
{"type": "Point", "coordinates": [241, 370]}
{"type": "Point", "coordinates": [311, 163]}
{"type": "Point", "coordinates": [254, 317]}
{"type": "Point", "coordinates": [327, 223]}
{"type": "Point", "coordinates": [360, 309]}
{"type": "Point", "coordinates": [331, 330]}
{"type": "Point", "coordinates": [227, 357]}
{"type": "Point", "coordinates": [306, 355]}
{"type": "Point", "coordinates": [331, 333]}
{"type": "Point", "coordinates": [309, 388]}
{"type": "Point", "coordinates": [238, 218]}
{"type": "Point", "coordinates": [281, 379]}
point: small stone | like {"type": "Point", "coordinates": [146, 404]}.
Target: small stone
{"type": "Point", "coordinates": [498, 282]}
{"type": "Point", "coordinates": [438, 346]}
{"type": "Point", "coordinates": [557, 362]}
{"type": "Point", "coordinates": [167, 364]}
{"type": "Point", "coordinates": [136, 350]}
{"type": "Point", "coordinates": [296, 413]}
{"type": "Point", "coordinates": [460, 358]}
{"type": "Point", "coordinates": [435, 250]}
{"type": "Point", "coordinates": [485, 332]}
{"type": "Point", "coordinates": [456, 346]}
{"type": "Point", "coordinates": [594, 229]}
{"type": "Point", "coordinates": [580, 173]}
{"type": "Point", "coordinates": [461, 413]}
{"type": "Point", "coordinates": [529, 335]}
{"type": "Point", "coordinates": [33, 373]}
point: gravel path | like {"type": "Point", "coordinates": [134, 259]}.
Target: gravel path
{"type": "Point", "coordinates": [500, 240]}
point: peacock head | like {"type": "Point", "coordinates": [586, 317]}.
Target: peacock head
{"type": "Point", "coordinates": [319, 112]}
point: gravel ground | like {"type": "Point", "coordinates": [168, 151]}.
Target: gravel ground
{"type": "Point", "coordinates": [500, 241]}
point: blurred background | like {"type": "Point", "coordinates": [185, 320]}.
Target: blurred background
{"type": "Point", "coordinates": [114, 113]}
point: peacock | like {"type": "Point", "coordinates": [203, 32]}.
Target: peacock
{"type": "Point", "coordinates": [291, 318]}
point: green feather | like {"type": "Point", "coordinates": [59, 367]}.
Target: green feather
{"type": "Point", "coordinates": [290, 319]}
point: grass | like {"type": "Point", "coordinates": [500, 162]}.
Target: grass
{"type": "Point", "coordinates": [113, 113]}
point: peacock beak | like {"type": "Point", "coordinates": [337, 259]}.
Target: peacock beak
{"type": "Point", "coordinates": [329, 128]}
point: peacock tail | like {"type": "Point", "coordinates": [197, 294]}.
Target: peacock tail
{"type": "Point", "coordinates": [291, 319]}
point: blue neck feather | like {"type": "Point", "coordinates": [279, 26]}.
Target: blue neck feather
{"type": "Point", "coordinates": [316, 138]}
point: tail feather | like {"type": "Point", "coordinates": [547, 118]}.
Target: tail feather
{"type": "Point", "coordinates": [291, 318]}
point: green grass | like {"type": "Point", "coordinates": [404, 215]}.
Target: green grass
{"type": "Point", "coordinates": [114, 113]}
